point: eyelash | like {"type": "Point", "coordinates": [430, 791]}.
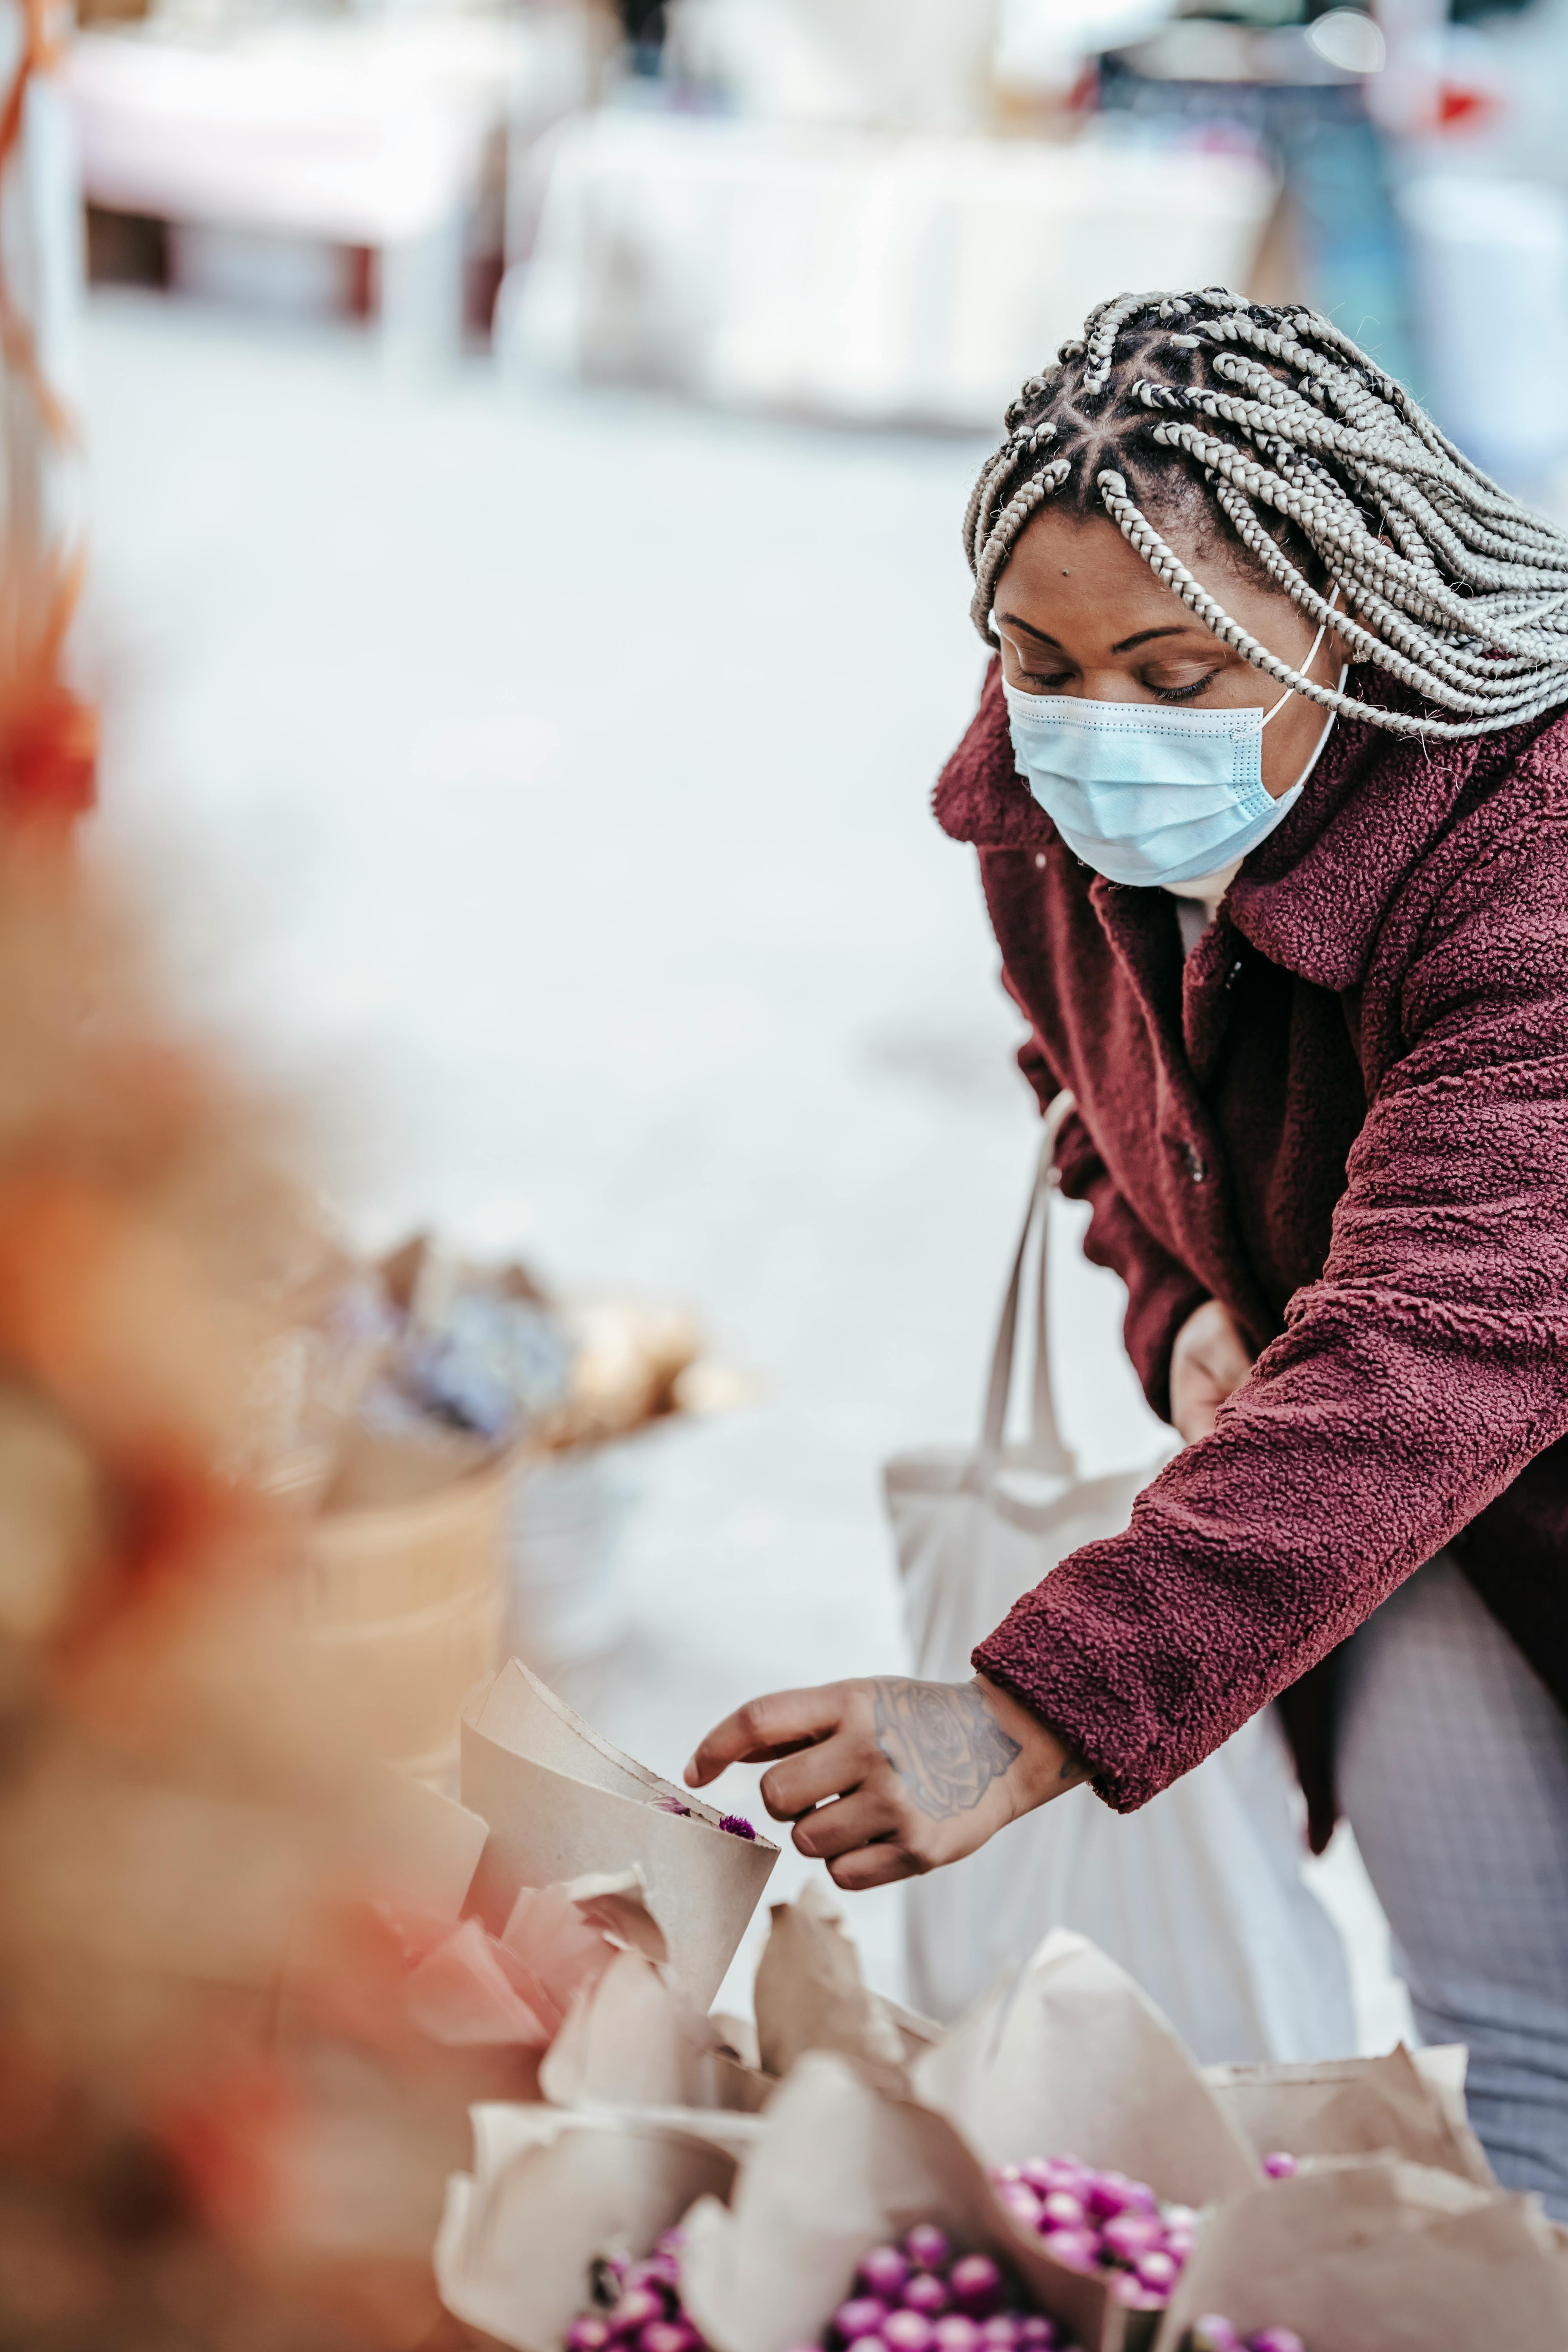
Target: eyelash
{"type": "Point", "coordinates": [1036, 684]}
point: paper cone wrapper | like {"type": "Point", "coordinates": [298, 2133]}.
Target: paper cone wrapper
{"type": "Point", "coordinates": [551, 2194]}
{"type": "Point", "coordinates": [561, 1801]}
{"type": "Point", "coordinates": [1412, 2106]}
{"type": "Point", "coordinates": [841, 2165]}
{"type": "Point", "coordinates": [1379, 2257]}
{"type": "Point", "coordinates": [810, 1994]}
{"type": "Point", "coordinates": [633, 2040]}
{"type": "Point", "coordinates": [1074, 2060]}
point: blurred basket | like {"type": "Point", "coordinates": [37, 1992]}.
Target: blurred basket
{"type": "Point", "coordinates": [406, 1602]}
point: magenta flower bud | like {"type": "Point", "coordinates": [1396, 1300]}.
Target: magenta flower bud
{"type": "Point", "coordinates": [976, 2284]}
{"type": "Point", "coordinates": [1128, 2289]}
{"type": "Point", "coordinates": [1280, 2165]}
{"type": "Point", "coordinates": [1079, 2249]}
{"type": "Point", "coordinates": [1043, 2173]}
{"type": "Point", "coordinates": [1128, 2235]}
{"type": "Point", "coordinates": [1060, 2210]}
{"type": "Point", "coordinates": [666, 2335]}
{"type": "Point", "coordinates": [956, 2334]}
{"type": "Point", "coordinates": [862, 2315]}
{"type": "Point", "coordinates": [926, 2294]}
{"type": "Point", "coordinates": [737, 1824]}
{"type": "Point", "coordinates": [635, 2308]}
{"type": "Point", "coordinates": [1021, 2202]}
{"type": "Point", "coordinates": [1158, 2271]}
{"type": "Point", "coordinates": [883, 2273]}
{"type": "Point", "coordinates": [927, 2247]}
{"type": "Point", "coordinates": [907, 2331]}
{"type": "Point", "coordinates": [1215, 2334]}
{"type": "Point", "coordinates": [1038, 2334]}
{"type": "Point", "coordinates": [589, 2334]}
{"type": "Point", "coordinates": [657, 2271]}
{"type": "Point", "coordinates": [1276, 2339]}
{"type": "Point", "coordinates": [1106, 2193]}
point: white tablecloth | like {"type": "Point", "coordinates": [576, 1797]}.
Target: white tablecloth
{"type": "Point", "coordinates": [866, 276]}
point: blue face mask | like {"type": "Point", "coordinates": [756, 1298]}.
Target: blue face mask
{"type": "Point", "coordinates": [1146, 795]}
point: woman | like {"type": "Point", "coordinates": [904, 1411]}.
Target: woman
{"type": "Point", "coordinates": [1269, 784]}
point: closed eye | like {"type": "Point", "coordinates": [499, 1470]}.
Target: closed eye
{"type": "Point", "coordinates": [1185, 693]}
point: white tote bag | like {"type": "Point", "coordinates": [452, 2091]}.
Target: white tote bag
{"type": "Point", "coordinates": [1199, 1894]}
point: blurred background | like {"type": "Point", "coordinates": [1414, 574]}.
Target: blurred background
{"type": "Point", "coordinates": [527, 446]}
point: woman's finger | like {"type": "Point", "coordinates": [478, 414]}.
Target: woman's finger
{"type": "Point", "coordinates": [878, 1864]}
{"type": "Point", "coordinates": [836, 1767]}
{"type": "Point", "coordinates": [839, 1827]}
{"type": "Point", "coordinates": [777, 1725]}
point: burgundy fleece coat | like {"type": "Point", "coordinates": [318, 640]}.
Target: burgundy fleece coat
{"type": "Point", "coordinates": [1345, 1115]}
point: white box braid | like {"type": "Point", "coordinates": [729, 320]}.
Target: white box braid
{"type": "Point", "coordinates": [1443, 580]}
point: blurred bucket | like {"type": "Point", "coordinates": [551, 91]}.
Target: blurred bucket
{"type": "Point", "coordinates": [406, 1605]}
{"type": "Point", "coordinates": [564, 1597]}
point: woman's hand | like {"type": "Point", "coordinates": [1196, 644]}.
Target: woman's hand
{"type": "Point", "coordinates": [1208, 1363]}
{"type": "Point", "coordinates": [887, 1778]}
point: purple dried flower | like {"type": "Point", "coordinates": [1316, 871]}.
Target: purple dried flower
{"type": "Point", "coordinates": [976, 2284]}
{"type": "Point", "coordinates": [1276, 2339]}
{"type": "Point", "coordinates": [956, 2332]}
{"type": "Point", "coordinates": [928, 2294]}
{"type": "Point", "coordinates": [737, 1824]}
{"type": "Point", "coordinates": [673, 1805]}
{"type": "Point", "coordinates": [883, 2271]}
{"type": "Point", "coordinates": [928, 2247]}
{"type": "Point", "coordinates": [907, 2331]}
{"type": "Point", "coordinates": [1214, 2333]}
{"type": "Point", "coordinates": [589, 2334]}
{"type": "Point", "coordinates": [862, 2315]}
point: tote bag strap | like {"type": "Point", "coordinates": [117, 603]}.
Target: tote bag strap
{"type": "Point", "coordinates": [1043, 1449]}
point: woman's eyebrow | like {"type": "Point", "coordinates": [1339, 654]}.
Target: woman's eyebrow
{"type": "Point", "coordinates": [1012, 622]}
{"type": "Point", "coordinates": [1177, 630]}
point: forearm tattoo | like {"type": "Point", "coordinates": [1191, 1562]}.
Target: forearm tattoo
{"type": "Point", "coordinates": [943, 1741]}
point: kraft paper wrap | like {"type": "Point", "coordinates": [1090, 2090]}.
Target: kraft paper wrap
{"type": "Point", "coordinates": [1075, 2060]}
{"type": "Point", "coordinates": [811, 1995]}
{"type": "Point", "coordinates": [1379, 2256]}
{"type": "Point", "coordinates": [560, 1802]}
{"type": "Point", "coordinates": [551, 2193]}
{"type": "Point", "coordinates": [1412, 2106]}
{"type": "Point", "coordinates": [840, 2165]}
{"type": "Point", "coordinates": [633, 2040]}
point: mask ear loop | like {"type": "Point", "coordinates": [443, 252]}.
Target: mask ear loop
{"type": "Point", "coordinates": [1306, 666]}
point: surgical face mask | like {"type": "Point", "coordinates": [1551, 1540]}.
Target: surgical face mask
{"type": "Point", "coordinates": [1149, 796]}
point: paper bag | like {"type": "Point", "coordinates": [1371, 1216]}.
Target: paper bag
{"type": "Point", "coordinates": [1074, 2060]}
{"type": "Point", "coordinates": [551, 2193]}
{"type": "Point", "coordinates": [560, 1800]}
{"type": "Point", "coordinates": [841, 2165]}
{"type": "Point", "coordinates": [811, 1995]}
{"type": "Point", "coordinates": [1379, 2256]}
{"type": "Point", "coordinates": [1400, 2105]}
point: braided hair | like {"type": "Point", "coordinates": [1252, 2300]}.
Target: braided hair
{"type": "Point", "coordinates": [1326, 472]}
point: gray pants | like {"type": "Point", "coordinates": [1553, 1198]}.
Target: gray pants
{"type": "Point", "coordinates": [1453, 1769]}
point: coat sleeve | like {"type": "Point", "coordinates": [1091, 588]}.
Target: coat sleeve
{"type": "Point", "coordinates": [1160, 1292]}
{"type": "Point", "coordinates": [1413, 1382]}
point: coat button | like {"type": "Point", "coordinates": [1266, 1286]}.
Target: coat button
{"type": "Point", "coordinates": [1193, 1161]}
{"type": "Point", "coordinates": [1039, 857]}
